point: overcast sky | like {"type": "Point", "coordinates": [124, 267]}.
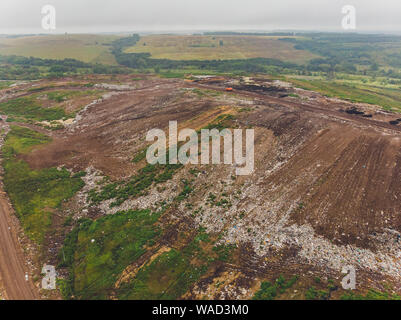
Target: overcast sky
{"type": "Point", "coordinates": [24, 16]}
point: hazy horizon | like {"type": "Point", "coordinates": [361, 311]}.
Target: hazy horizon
{"type": "Point", "coordinates": [156, 16]}
{"type": "Point", "coordinates": [195, 31]}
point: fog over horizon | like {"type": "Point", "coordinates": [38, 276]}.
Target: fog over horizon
{"type": "Point", "coordinates": [99, 16]}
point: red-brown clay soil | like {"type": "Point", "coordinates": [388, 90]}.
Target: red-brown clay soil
{"type": "Point", "coordinates": [12, 262]}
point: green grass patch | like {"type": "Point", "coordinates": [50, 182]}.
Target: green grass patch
{"type": "Point", "coordinates": [166, 278]}
{"type": "Point", "coordinates": [21, 140]}
{"type": "Point", "coordinates": [96, 252]}
{"type": "Point", "coordinates": [29, 108]}
{"type": "Point", "coordinates": [172, 75]}
{"type": "Point", "coordinates": [35, 194]}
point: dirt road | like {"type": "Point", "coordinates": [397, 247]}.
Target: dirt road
{"type": "Point", "coordinates": [12, 268]}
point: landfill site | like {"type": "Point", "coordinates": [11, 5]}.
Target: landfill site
{"type": "Point", "coordinates": [325, 192]}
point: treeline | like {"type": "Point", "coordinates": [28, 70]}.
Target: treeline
{"type": "Point", "coordinates": [31, 61]}
{"type": "Point", "coordinates": [119, 44]}
{"type": "Point", "coordinates": [143, 61]}
{"type": "Point", "coordinates": [23, 68]}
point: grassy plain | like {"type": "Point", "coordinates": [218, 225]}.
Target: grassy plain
{"type": "Point", "coordinates": [364, 90]}
{"type": "Point", "coordinates": [197, 47]}
{"type": "Point", "coordinates": [87, 48]}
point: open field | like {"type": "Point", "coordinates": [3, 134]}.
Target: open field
{"type": "Point", "coordinates": [87, 48]}
{"type": "Point", "coordinates": [219, 47]}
